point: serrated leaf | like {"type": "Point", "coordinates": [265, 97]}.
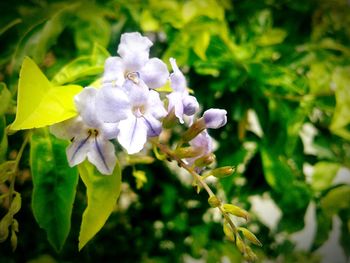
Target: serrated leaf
{"type": "Point", "coordinates": [54, 186]}
{"type": "Point", "coordinates": [102, 195]}
{"type": "Point", "coordinates": [39, 103]}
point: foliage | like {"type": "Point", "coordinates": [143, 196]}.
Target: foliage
{"type": "Point", "coordinates": [280, 68]}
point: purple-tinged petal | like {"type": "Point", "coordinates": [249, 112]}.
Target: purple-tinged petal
{"type": "Point", "coordinates": [78, 149]}
{"type": "Point", "coordinates": [155, 105]}
{"type": "Point", "coordinates": [133, 134]}
{"type": "Point", "coordinates": [68, 129]}
{"type": "Point", "coordinates": [85, 103]}
{"type": "Point", "coordinates": [154, 125]}
{"type": "Point", "coordinates": [190, 105]}
{"type": "Point", "coordinates": [109, 131]}
{"type": "Point", "coordinates": [215, 118]}
{"type": "Point", "coordinates": [134, 49]}
{"type": "Point", "coordinates": [177, 79]}
{"type": "Point", "coordinates": [138, 94]}
{"type": "Point", "coordinates": [204, 142]}
{"type": "Point", "coordinates": [175, 102]}
{"type": "Point", "coordinates": [112, 104]}
{"type": "Point", "coordinates": [102, 155]}
{"type": "Point", "coordinates": [155, 73]}
{"type": "Point", "coordinates": [114, 71]}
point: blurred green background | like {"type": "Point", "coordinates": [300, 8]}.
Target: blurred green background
{"type": "Point", "coordinates": [281, 68]}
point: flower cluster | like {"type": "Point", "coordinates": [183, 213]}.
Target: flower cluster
{"type": "Point", "coordinates": [129, 109]}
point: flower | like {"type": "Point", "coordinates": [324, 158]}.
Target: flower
{"type": "Point", "coordinates": [179, 100]}
{"type": "Point", "coordinates": [134, 63]}
{"type": "Point", "coordinates": [142, 112]}
{"type": "Point", "coordinates": [90, 136]}
{"type": "Point", "coordinates": [203, 144]}
{"type": "Point", "coordinates": [215, 118]}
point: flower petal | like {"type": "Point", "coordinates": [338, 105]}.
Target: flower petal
{"type": "Point", "coordinates": [155, 105]}
{"type": "Point", "coordinates": [134, 49]}
{"type": "Point", "coordinates": [138, 93]}
{"type": "Point", "coordinates": [68, 129]}
{"type": "Point", "coordinates": [154, 125]}
{"type": "Point", "coordinates": [155, 73]}
{"type": "Point", "coordinates": [114, 71]}
{"type": "Point", "coordinates": [112, 104]}
{"type": "Point", "coordinates": [109, 130]}
{"type": "Point", "coordinates": [78, 149]}
{"type": "Point", "coordinates": [177, 79]}
{"type": "Point", "coordinates": [133, 134]}
{"type": "Point", "coordinates": [190, 104]}
{"type": "Point", "coordinates": [175, 102]}
{"type": "Point", "coordinates": [102, 155]}
{"type": "Point", "coordinates": [215, 118]}
{"type": "Point", "coordinates": [85, 103]}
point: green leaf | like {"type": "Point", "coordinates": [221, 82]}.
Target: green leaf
{"type": "Point", "coordinates": [83, 66]}
{"type": "Point", "coordinates": [336, 199]}
{"type": "Point", "coordinates": [341, 118]}
{"type": "Point", "coordinates": [54, 186]}
{"type": "Point", "coordinates": [39, 103]}
{"type": "Point", "coordinates": [324, 173]}
{"type": "Point", "coordinates": [102, 195]}
{"type": "Point", "coordinates": [5, 98]}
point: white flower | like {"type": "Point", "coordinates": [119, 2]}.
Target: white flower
{"type": "Point", "coordinates": [90, 136]}
{"type": "Point", "coordinates": [179, 100]}
{"type": "Point", "coordinates": [134, 63]}
{"type": "Point", "coordinates": [215, 118]}
{"type": "Point", "coordinates": [142, 113]}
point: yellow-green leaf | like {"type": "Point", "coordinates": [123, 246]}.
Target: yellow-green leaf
{"type": "Point", "coordinates": [102, 195]}
{"type": "Point", "coordinates": [39, 103]}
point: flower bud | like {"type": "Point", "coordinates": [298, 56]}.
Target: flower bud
{"type": "Point", "coordinates": [240, 244]}
{"type": "Point", "coordinates": [250, 236]}
{"type": "Point", "coordinates": [223, 172]}
{"type": "Point", "coordinates": [228, 232]}
{"type": "Point", "coordinates": [195, 129]}
{"type": "Point", "coordinates": [215, 118]}
{"type": "Point", "coordinates": [236, 211]}
{"type": "Point", "coordinates": [214, 201]}
{"type": "Point", "coordinates": [187, 152]}
{"type": "Point", "coordinates": [205, 160]}
{"type": "Point", "coordinates": [190, 104]}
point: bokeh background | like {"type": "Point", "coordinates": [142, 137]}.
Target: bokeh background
{"type": "Point", "coordinates": [281, 68]}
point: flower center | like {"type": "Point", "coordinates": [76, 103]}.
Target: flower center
{"type": "Point", "coordinates": [93, 132]}
{"type": "Point", "coordinates": [133, 76]}
{"type": "Point", "coordinates": [138, 110]}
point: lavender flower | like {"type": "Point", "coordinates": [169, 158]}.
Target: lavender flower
{"type": "Point", "coordinates": [134, 63]}
{"type": "Point", "coordinates": [142, 113]}
{"type": "Point", "coordinates": [215, 118]}
{"type": "Point", "coordinates": [203, 144]}
{"type": "Point", "coordinates": [179, 100]}
{"type": "Point", "coordinates": [90, 135]}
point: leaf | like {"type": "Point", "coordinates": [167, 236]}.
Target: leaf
{"type": "Point", "coordinates": [324, 173]}
{"type": "Point", "coordinates": [102, 195]}
{"type": "Point", "coordinates": [39, 103]}
{"type": "Point", "coordinates": [336, 199]}
{"type": "Point", "coordinates": [54, 186]}
{"type": "Point", "coordinates": [341, 118]}
{"type": "Point", "coordinates": [5, 98]}
{"type": "Point", "coordinates": [82, 66]}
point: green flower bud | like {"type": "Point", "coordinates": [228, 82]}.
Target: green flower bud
{"type": "Point", "coordinates": [229, 233]}
{"type": "Point", "coordinates": [205, 160]}
{"type": "Point", "coordinates": [236, 211]}
{"type": "Point", "coordinates": [194, 130]}
{"type": "Point", "coordinates": [187, 152]}
{"type": "Point", "coordinates": [214, 201]}
{"type": "Point", "coordinates": [250, 236]}
{"type": "Point", "coordinates": [223, 172]}
{"type": "Point", "coordinates": [240, 244]}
